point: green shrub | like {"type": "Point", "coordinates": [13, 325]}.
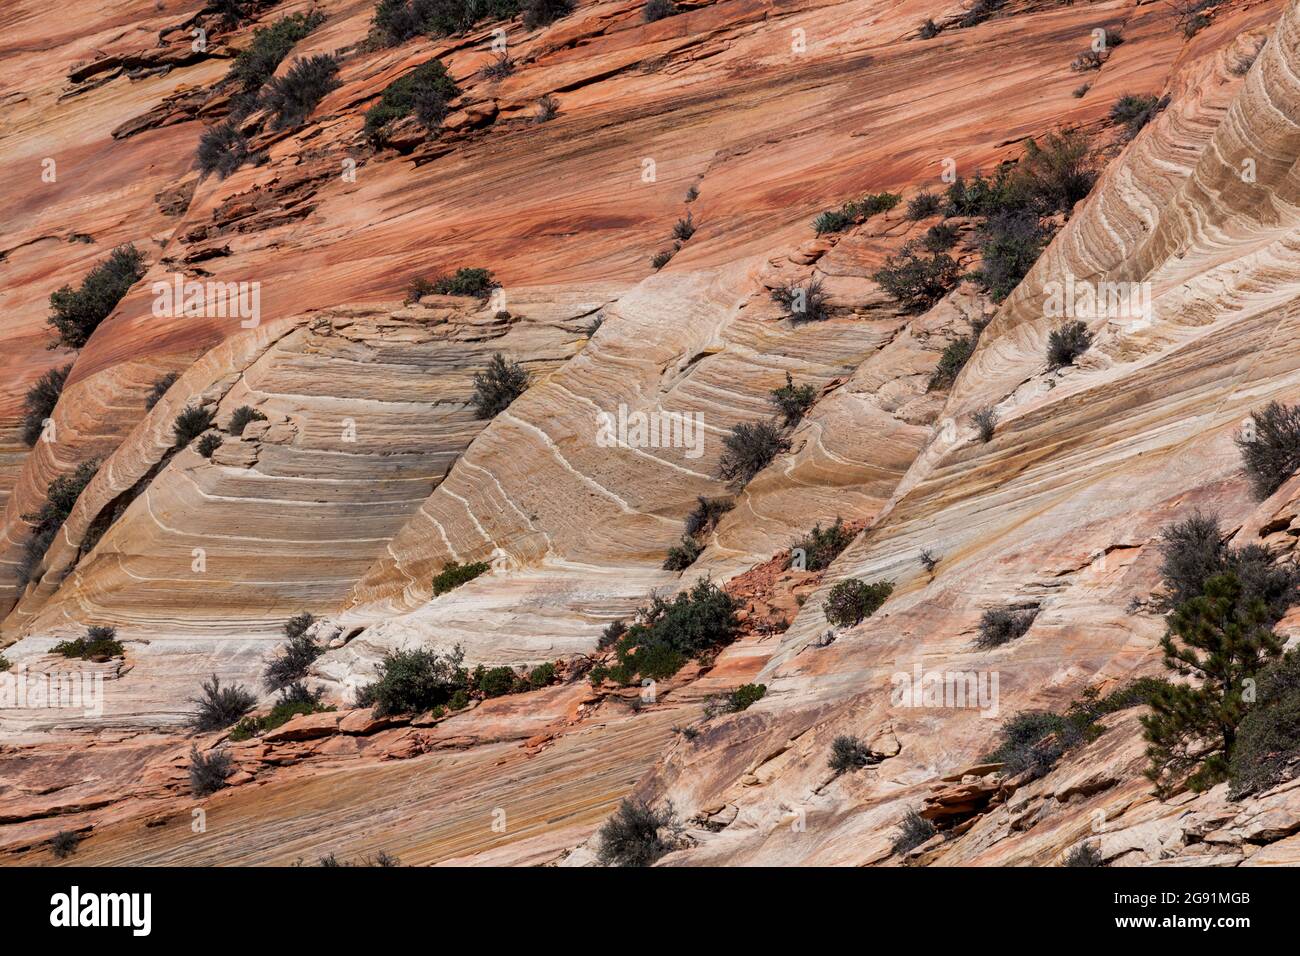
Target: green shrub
{"type": "Point", "coordinates": [658, 10]}
{"type": "Point", "coordinates": [497, 386]}
{"type": "Point", "coordinates": [1002, 625]}
{"type": "Point", "coordinates": [256, 64]}
{"type": "Point", "coordinates": [542, 13]}
{"type": "Point", "coordinates": [745, 695]}
{"type": "Point", "coordinates": [39, 403]}
{"type": "Point", "coordinates": [223, 148]}
{"type": "Point", "coordinates": [837, 220]}
{"type": "Point", "coordinates": [76, 313]}
{"type": "Point", "coordinates": [1266, 751]}
{"type": "Point", "coordinates": [1066, 343]}
{"type": "Point", "coordinates": [954, 358]}
{"type": "Point", "coordinates": [466, 281]}
{"type": "Point", "coordinates": [219, 707]}
{"type": "Point", "coordinates": [923, 205]}
{"type": "Point", "coordinates": [793, 401]}
{"type": "Point", "coordinates": [611, 634]}
{"type": "Point", "coordinates": [916, 282]}
{"type": "Point", "coordinates": [851, 600]}
{"type": "Point", "coordinates": [980, 11]}
{"type": "Point", "coordinates": [208, 772]}
{"type": "Point", "coordinates": [1195, 550]}
{"type": "Point", "coordinates": [454, 574]}
{"type": "Point", "coordinates": [940, 237]}
{"type": "Point", "coordinates": [912, 832]}
{"type": "Point", "coordinates": [295, 655]}
{"type": "Point", "coordinates": [980, 197]}
{"type": "Point", "coordinates": [986, 420]}
{"type": "Point", "coordinates": [821, 545]}
{"type": "Point", "coordinates": [706, 514]}
{"type": "Point", "coordinates": [748, 449]}
{"type": "Point", "coordinates": [637, 835]}
{"type": "Point", "coordinates": [424, 93]}
{"type": "Point", "coordinates": [832, 220]}
{"type": "Point", "coordinates": [1009, 244]}
{"type": "Point", "coordinates": [64, 843]}
{"type": "Point", "coordinates": [802, 303]}
{"type": "Point", "coordinates": [60, 496]}
{"type": "Point", "coordinates": [542, 675]}
{"type": "Point", "coordinates": [1271, 452]}
{"type": "Point", "coordinates": [668, 633]}
{"type": "Point", "coordinates": [1222, 639]}
{"type": "Point", "coordinates": [682, 556]}
{"type": "Point", "coordinates": [497, 682]}
{"type": "Point", "coordinates": [99, 643]}
{"type": "Point", "coordinates": [1134, 112]}
{"type": "Point", "coordinates": [295, 700]}
{"type": "Point", "coordinates": [292, 97]}
{"type": "Point", "coordinates": [241, 417]}
{"type": "Point", "coordinates": [850, 753]}
{"type": "Point", "coordinates": [159, 388]}
{"type": "Point", "coordinates": [1058, 173]}
{"type": "Point", "coordinates": [414, 681]}
{"type": "Point", "coordinates": [192, 422]}
{"type": "Point", "coordinates": [208, 444]}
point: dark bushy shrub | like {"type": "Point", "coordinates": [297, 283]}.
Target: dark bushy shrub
{"type": "Point", "coordinates": [466, 281]}
{"type": "Point", "coordinates": [295, 656]}
{"type": "Point", "coordinates": [850, 753]}
{"type": "Point", "coordinates": [256, 64]}
{"type": "Point", "coordinates": [219, 707]}
{"type": "Point", "coordinates": [954, 358]}
{"type": "Point", "coordinates": [241, 417]}
{"type": "Point", "coordinates": [746, 695]}
{"type": "Point", "coordinates": [292, 97]}
{"type": "Point", "coordinates": [980, 11]}
{"type": "Point", "coordinates": [658, 10]}
{"type": "Point", "coordinates": [76, 313]}
{"type": "Point", "coordinates": [821, 546]}
{"type": "Point", "coordinates": [683, 229]}
{"type": "Point", "coordinates": [802, 303]}
{"type": "Point", "coordinates": [793, 401]}
{"type": "Point", "coordinates": [749, 448]}
{"type": "Point", "coordinates": [923, 205]}
{"type": "Point", "coordinates": [541, 676]}
{"type": "Point", "coordinates": [940, 237]}
{"type": "Point", "coordinates": [912, 832]}
{"type": "Point", "coordinates": [497, 386]}
{"type": "Point", "coordinates": [852, 600]}
{"type": "Point", "coordinates": [1134, 112]}
{"type": "Point", "coordinates": [295, 700]}
{"type": "Point", "coordinates": [917, 282]}
{"type": "Point", "coordinates": [208, 772]}
{"type": "Point", "coordinates": [706, 514]}
{"type": "Point", "coordinates": [682, 556]}
{"type": "Point", "coordinates": [1057, 174]}
{"type": "Point", "coordinates": [100, 643]}
{"type": "Point", "coordinates": [424, 93]}
{"type": "Point", "coordinates": [192, 422]}
{"type": "Point", "coordinates": [208, 444]}
{"type": "Point", "coordinates": [986, 420]}
{"type": "Point", "coordinates": [1085, 854]}
{"type": "Point", "coordinates": [661, 258]}
{"type": "Point", "coordinates": [1001, 625]}
{"type": "Point", "coordinates": [1266, 751]}
{"type": "Point", "coordinates": [159, 388]}
{"type": "Point", "coordinates": [637, 835]}
{"type": "Point", "coordinates": [414, 681]}
{"type": "Point", "coordinates": [1271, 454]}
{"type": "Point", "coordinates": [501, 66]}
{"type": "Point", "coordinates": [547, 108]}
{"type": "Point", "coordinates": [222, 149]}
{"type": "Point", "coordinates": [39, 403]}
{"type": "Point", "coordinates": [1009, 243]}
{"type": "Point", "coordinates": [542, 13]}
{"type": "Point", "coordinates": [60, 495]}
{"type": "Point", "coordinates": [454, 574]}
{"type": "Point", "coordinates": [64, 843]}
{"type": "Point", "coordinates": [668, 633]}
{"type": "Point", "coordinates": [1066, 343]}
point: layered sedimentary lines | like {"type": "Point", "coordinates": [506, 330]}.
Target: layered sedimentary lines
{"type": "Point", "coordinates": [370, 470]}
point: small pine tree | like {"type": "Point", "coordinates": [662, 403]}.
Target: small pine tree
{"type": "Point", "coordinates": [1221, 638]}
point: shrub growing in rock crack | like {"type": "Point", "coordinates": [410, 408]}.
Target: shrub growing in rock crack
{"type": "Point", "coordinates": [749, 448]}
{"type": "Point", "coordinates": [923, 205]}
{"type": "Point", "coordinates": [986, 420]}
{"type": "Point", "coordinates": [1190, 15]}
{"type": "Point", "coordinates": [1271, 450]}
{"type": "Point", "coordinates": [928, 560]}
{"type": "Point", "coordinates": [63, 844]}
{"type": "Point", "coordinates": [454, 574]}
{"type": "Point", "coordinates": [218, 707]}
{"type": "Point", "coordinates": [637, 835]}
{"type": "Point", "coordinates": [501, 66]}
{"type": "Point", "coordinates": [1001, 625]}
{"type": "Point", "coordinates": [192, 422]}
{"type": "Point", "coordinates": [159, 388]}
{"type": "Point", "coordinates": [682, 556]}
{"type": "Point", "coordinates": [292, 97]}
{"type": "Point", "coordinates": [38, 405]}
{"type": "Point", "coordinates": [99, 644]}
{"type": "Point", "coordinates": [802, 302]}
{"type": "Point", "coordinates": [60, 496]}
{"type": "Point", "coordinates": [912, 832]}
{"type": "Point", "coordinates": [852, 600]}
{"type": "Point", "coordinates": [821, 546]}
{"type": "Point", "coordinates": [208, 444]}
{"type": "Point", "coordinates": [683, 229]}
{"type": "Point", "coordinates": [917, 282]}
{"type": "Point", "coordinates": [661, 258]}
{"type": "Point", "coordinates": [423, 93]}
{"type": "Point", "coordinates": [222, 149]}
{"type": "Point", "coordinates": [411, 682]}
{"type": "Point", "coordinates": [295, 655]}
{"type": "Point", "coordinates": [76, 313]}
{"type": "Point", "coordinates": [1134, 112]}
{"type": "Point", "coordinates": [929, 30]}
{"type": "Point", "coordinates": [547, 109]}
{"type": "Point", "coordinates": [497, 386]}
{"type": "Point", "coordinates": [208, 771]}
{"type": "Point", "coordinates": [793, 401]}
{"type": "Point", "coordinates": [940, 237]}
{"type": "Point", "coordinates": [980, 11]}
{"type": "Point", "coordinates": [954, 358]}
{"type": "Point", "coordinates": [1009, 243]}
{"type": "Point", "coordinates": [256, 64]}
{"type": "Point", "coordinates": [1066, 343]}
{"type": "Point", "coordinates": [706, 514]}
{"type": "Point", "coordinates": [850, 753]}
{"type": "Point", "coordinates": [243, 416]}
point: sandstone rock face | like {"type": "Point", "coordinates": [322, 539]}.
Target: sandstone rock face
{"type": "Point", "coordinates": [370, 471]}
